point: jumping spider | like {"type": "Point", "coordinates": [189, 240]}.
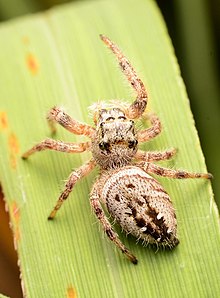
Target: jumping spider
{"type": "Point", "coordinates": [133, 198]}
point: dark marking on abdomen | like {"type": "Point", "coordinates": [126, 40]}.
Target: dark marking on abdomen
{"type": "Point", "coordinates": [117, 198]}
{"type": "Point", "coordinates": [130, 185]}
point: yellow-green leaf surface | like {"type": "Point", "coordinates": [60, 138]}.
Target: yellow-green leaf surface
{"type": "Point", "coordinates": [57, 58]}
{"type": "Point", "coordinates": [3, 296]}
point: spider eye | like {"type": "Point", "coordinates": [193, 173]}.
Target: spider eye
{"type": "Point", "coordinates": [104, 146]}
{"type": "Point", "coordinates": [122, 117]}
{"type": "Point", "coordinates": [110, 119]}
{"type": "Point", "coordinates": [132, 144]}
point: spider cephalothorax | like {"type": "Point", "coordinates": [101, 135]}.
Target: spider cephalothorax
{"type": "Point", "coordinates": [114, 143]}
{"type": "Point", "coordinates": [133, 198]}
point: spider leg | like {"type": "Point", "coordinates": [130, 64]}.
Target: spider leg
{"type": "Point", "coordinates": [58, 115]}
{"type": "Point", "coordinates": [73, 178]}
{"type": "Point", "coordinates": [154, 155]}
{"type": "Point", "coordinates": [112, 235]}
{"type": "Point", "coordinates": [170, 173]}
{"type": "Point", "coordinates": [57, 146]}
{"type": "Point", "coordinates": [151, 132]}
{"type": "Point", "coordinates": [137, 108]}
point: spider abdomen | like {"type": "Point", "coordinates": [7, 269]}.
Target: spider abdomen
{"type": "Point", "coordinates": [140, 205]}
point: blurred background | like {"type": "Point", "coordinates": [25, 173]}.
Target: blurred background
{"type": "Point", "coordinates": [194, 27]}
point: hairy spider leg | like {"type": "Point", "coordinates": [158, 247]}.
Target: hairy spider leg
{"type": "Point", "coordinates": [155, 155]}
{"type": "Point", "coordinates": [151, 132]}
{"type": "Point", "coordinates": [50, 144]}
{"type": "Point", "coordinates": [56, 114]}
{"type": "Point", "coordinates": [73, 178]}
{"type": "Point", "coordinates": [137, 108]}
{"type": "Point", "coordinates": [170, 173]}
{"type": "Point", "coordinates": [112, 235]}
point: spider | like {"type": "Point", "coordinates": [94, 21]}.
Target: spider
{"type": "Point", "coordinates": [132, 197]}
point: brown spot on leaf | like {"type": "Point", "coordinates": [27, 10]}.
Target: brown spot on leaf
{"type": "Point", "coordinates": [3, 120]}
{"type": "Point", "coordinates": [71, 293]}
{"type": "Point", "coordinates": [32, 63]}
{"type": "Point", "coordinates": [13, 149]}
{"type": "Point", "coordinates": [15, 216]}
{"type": "Point", "coordinates": [26, 40]}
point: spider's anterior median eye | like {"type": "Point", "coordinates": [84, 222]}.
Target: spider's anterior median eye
{"type": "Point", "coordinates": [122, 117]}
{"type": "Point", "coordinates": [104, 146]}
{"type": "Point", "coordinates": [132, 144]}
{"type": "Point", "coordinates": [110, 119]}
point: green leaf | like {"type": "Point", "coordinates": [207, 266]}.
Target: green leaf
{"type": "Point", "coordinates": [3, 296]}
{"type": "Point", "coordinates": [57, 58]}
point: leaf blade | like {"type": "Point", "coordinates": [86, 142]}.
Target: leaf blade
{"type": "Point", "coordinates": [63, 64]}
